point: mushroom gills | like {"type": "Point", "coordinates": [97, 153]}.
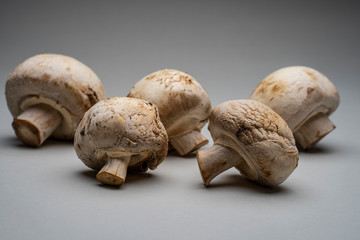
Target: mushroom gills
{"type": "Point", "coordinates": [36, 124]}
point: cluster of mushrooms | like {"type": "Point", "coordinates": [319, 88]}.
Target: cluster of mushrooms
{"type": "Point", "coordinates": [52, 95]}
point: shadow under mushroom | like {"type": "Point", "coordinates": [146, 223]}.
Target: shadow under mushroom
{"type": "Point", "coordinates": [243, 183]}
{"type": "Point", "coordinates": [132, 177]}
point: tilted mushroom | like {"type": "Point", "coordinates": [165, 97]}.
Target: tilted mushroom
{"type": "Point", "coordinates": [253, 138]}
{"type": "Point", "coordinates": [120, 134]}
{"type": "Point", "coordinates": [47, 94]}
{"type": "Point", "coordinates": [304, 98]}
{"type": "Point", "coordinates": [183, 104]}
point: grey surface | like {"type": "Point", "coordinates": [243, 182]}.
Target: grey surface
{"type": "Point", "coordinates": [229, 47]}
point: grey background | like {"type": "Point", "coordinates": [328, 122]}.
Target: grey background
{"type": "Point", "coordinates": [229, 47]}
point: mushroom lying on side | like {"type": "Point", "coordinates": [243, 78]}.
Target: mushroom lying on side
{"type": "Point", "coordinates": [118, 133]}
{"type": "Point", "coordinates": [304, 98]}
{"type": "Point", "coordinates": [183, 104]}
{"type": "Point", "coordinates": [253, 138]}
{"type": "Point", "coordinates": [48, 94]}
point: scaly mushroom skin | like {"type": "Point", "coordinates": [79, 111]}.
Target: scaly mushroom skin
{"type": "Point", "coordinates": [121, 134]}
{"type": "Point", "coordinates": [304, 98]}
{"type": "Point", "coordinates": [47, 94]}
{"type": "Point", "coordinates": [250, 136]}
{"type": "Point", "coordinates": [183, 104]}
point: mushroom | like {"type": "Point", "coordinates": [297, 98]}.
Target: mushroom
{"type": "Point", "coordinates": [251, 137]}
{"type": "Point", "coordinates": [120, 134]}
{"type": "Point", "coordinates": [47, 94]}
{"type": "Point", "coordinates": [304, 98]}
{"type": "Point", "coordinates": [183, 104]}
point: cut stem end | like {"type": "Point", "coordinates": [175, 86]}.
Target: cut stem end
{"type": "Point", "coordinates": [36, 124]}
{"type": "Point", "coordinates": [188, 142]}
{"type": "Point", "coordinates": [215, 160]}
{"type": "Point", "coordinates": [114, 171]}
{"type": "Point", "coordinates": [313, 131]}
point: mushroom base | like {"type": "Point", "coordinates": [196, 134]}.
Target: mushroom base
{"type": "Point", "coordinates": [215, 160]}
{"type": "Point", "coordinates": [313, 131]}
{"type": "Point", "coordinates": [188, 142]}
{"type": "Point", "coordinates": [114, 171]}
{"type": "Point", "coordinates": [36, 124]}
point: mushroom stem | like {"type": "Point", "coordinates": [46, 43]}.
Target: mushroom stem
{"type": "Point", "coordinates": [114, 171]}
{"type": "Point", "coordinates": [215, 160]}
{"type": "Point", "coordinates": [188, 142]}
{"type": "Point", "coordinates": [36, 124]}
{"type": "Point", "coordinates": [313, 130]}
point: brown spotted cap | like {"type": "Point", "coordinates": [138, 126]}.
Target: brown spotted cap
{"type": "Point", "coordinates": [59, 81]}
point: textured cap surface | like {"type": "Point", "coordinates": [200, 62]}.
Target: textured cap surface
{"type": "Point", "coordinates": [121, 126]}
{"type": "Point", "coordinates": [259, 135]}
{"type": "Point", "coordinates": [182, 102]}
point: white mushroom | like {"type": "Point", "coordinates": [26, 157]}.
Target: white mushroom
{"type": "Point", "coordinates": [304, 98]}
{"type": "Point", "coordinates": [120, 134]}
{"type": "Point", "coordinates": [250, 136]}
{"type": "Point", "coordinates": [183, 104]}
{"type": "Point", "coordinates": [47, 94]}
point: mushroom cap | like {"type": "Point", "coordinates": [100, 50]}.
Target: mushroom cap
{"type": "Point", "coordinates": [182, 102]}
{"type": "Point", "coordinates": [297, 94]}
{"type": "Point", "coordinates": [259, 135]}
{"type": "Point", "coordinates": [60, 81]}
{"type": "Point", "coordinates": [121, 126]}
